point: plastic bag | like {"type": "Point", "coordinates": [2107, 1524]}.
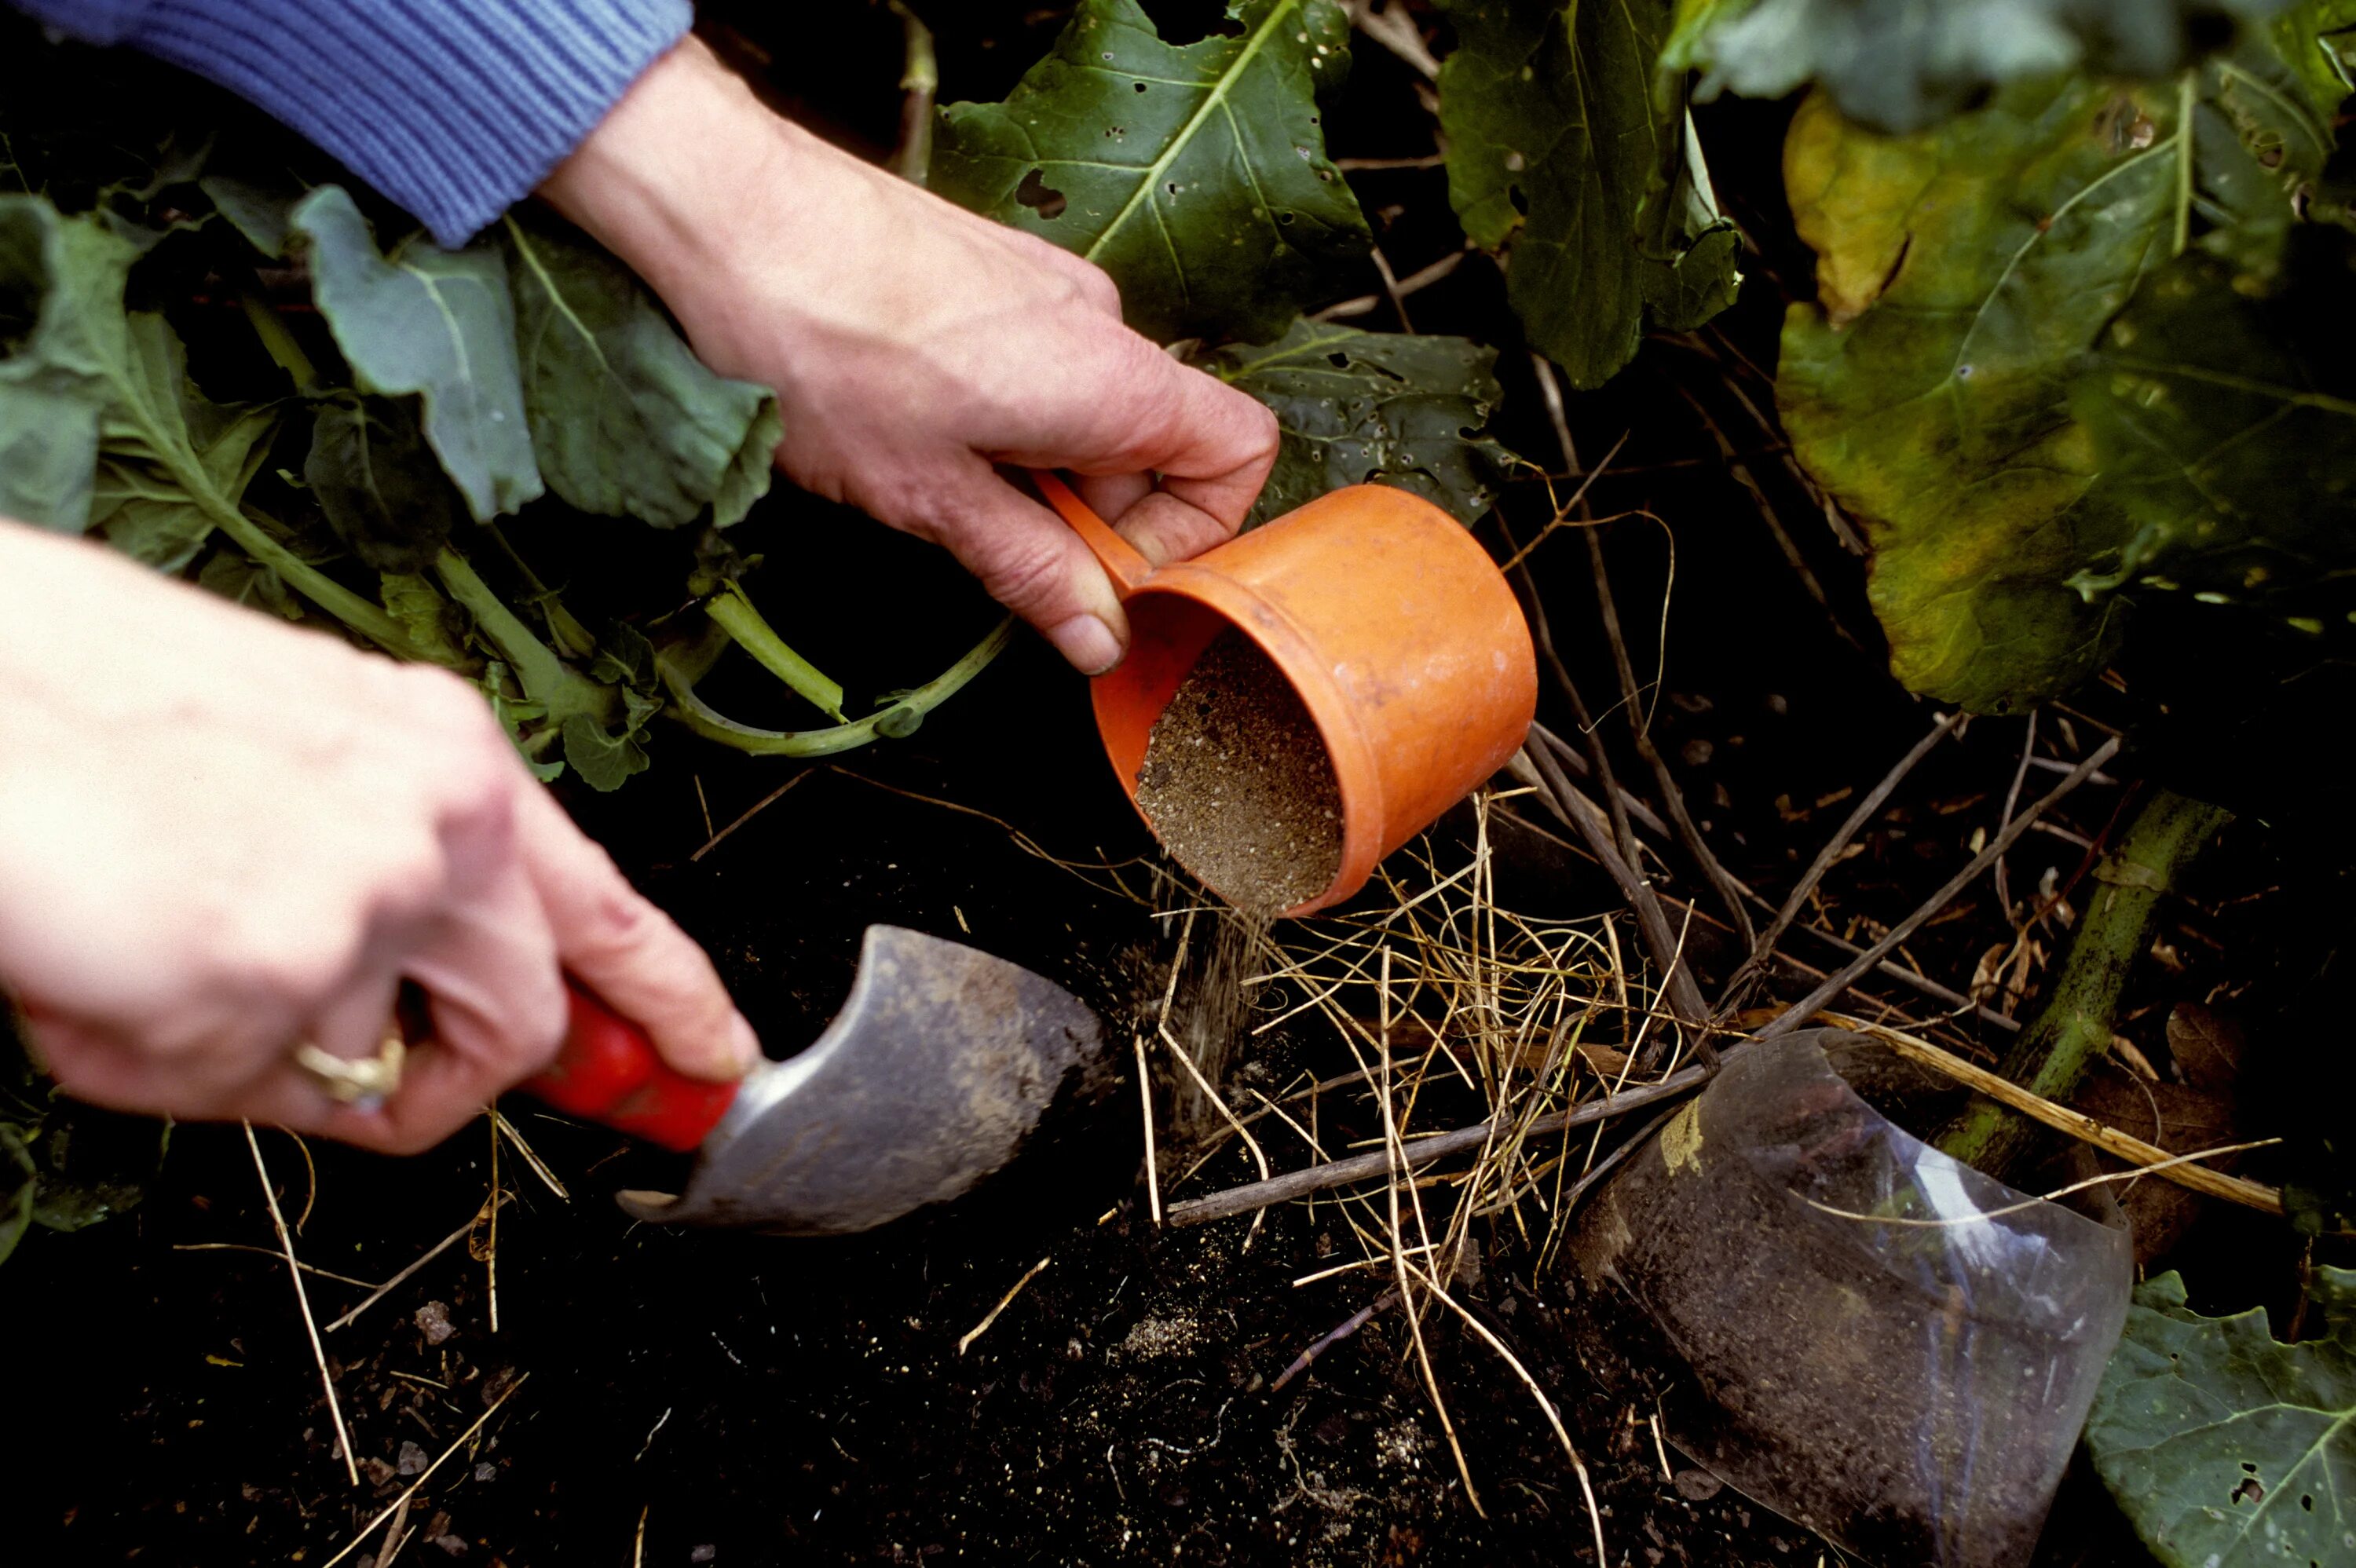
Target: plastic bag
{"type": "Point", "coordinates": [1911, 1389]}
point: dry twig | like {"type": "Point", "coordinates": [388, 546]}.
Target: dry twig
{"type": "Point", "coordinates": [303, 1301]}
{"type": "Point", "coordinates": [1834, 984]}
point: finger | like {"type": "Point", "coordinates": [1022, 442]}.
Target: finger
{"type": "Point", "coordinates": [91, 1065]}
{"type": "Point", "coordinates": [628, 952]}
{"type": "Point", "coordinates": [1032, 563]}
{"type": "Point", "coordinates": [443, 1088]}
{"type": "Point", "coordinates": [1165, 528]}
{"type": "Point", "coordinates": [1109, 496]}
{"type": "Point", "coordinates": [1217, 445]}
{"type": "Point", "coordinates": [1212, 445]}
{"type": "Point", "coordinates": [489, 968]}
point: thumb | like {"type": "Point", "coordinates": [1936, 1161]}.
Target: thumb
{"type": "Point", "coordinates": [1033, 565]}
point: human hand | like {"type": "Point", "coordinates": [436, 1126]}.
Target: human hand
{"type": "Point", "coordinates": [221, 836]}
{"type": "Point", "coordinates": [914, 345]}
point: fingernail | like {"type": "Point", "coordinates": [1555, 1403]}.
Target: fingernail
{"type": "Point", "coordinates": [1089, 643]}
{"type": "Point", "coordinates": [745, 1044]}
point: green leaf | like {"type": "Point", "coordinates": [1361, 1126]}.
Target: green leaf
{"type": "Point", "coordinates": [262, 212]}
{"type": "Point", "coordinates": [23, 1186]}
{"type": "Point", "coordinates": [432, 623]}
{"type": "Point", "coordinates": [1359, 407]}
{"type": "Point", "coordinates": [626, 420]}
{"type": "Point", "coordinates": [175, 462]}
{"type": "Point", "coordinates": [241, 581]}
{"type": "Point", "coordinates": [522, 719]}
{"type": "Point", "coordinates": [1903, 67]}
{"type": "Point", "coordinates": [1944, 387]}
{"type": "Point", "coordinates": [2225, 432]}
{"type": "Point", "coordinates": [438, 324]}
{"type": "Point", "coordinates": [1561, 154]}
{"type": "Point", "coordinates": [2225, 1447]}
{"type": "Point", "coordinates": [63, 279]}
{"type": "Point", "coordinates": [599, 717]}
{"type": "Point", "coordinates": [1194, 174]}
{"type": "Point", "coordinates": [374, 476]}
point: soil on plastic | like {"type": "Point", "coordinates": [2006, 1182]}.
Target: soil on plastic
{"type": "Point", "coordinates": [1237, 784]}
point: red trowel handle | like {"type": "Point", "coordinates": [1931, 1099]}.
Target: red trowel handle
{"type": "Point", "coordinates": [608, 1071]}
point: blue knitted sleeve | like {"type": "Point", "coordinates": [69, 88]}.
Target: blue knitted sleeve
{"type": "Point", "coordinates": [453, 109]}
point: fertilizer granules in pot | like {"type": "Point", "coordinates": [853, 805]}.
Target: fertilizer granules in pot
{"type": "Point", "coordinates": [1237, 784]}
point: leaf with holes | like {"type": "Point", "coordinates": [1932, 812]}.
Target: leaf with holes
{"type": "Point", "coordinates": [1359, 407]}
{"type": "Point", "coordinates": [1901, 68]}
{"type": "Point", "coordinates": [1960, 384]}
{"type": "Point", "coordinates": [2224, 1446]}
{"type": "Point", "coordinates": [1561, 154]}
{"type": "Point", "coordinates": [1194, 174]}
{"type": "Point", "coordinates": [435, 324]}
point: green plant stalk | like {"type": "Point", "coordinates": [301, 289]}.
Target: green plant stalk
{"type": "Point", "coordinates": [543, 676]}
{"type": "Point", "coordinates": [735, 615]}
{"type": "Point", "coordinates": [279, 342]}
{"type": "Point", "coordinates": [2052, 1054]}
{"type": "Point", "coordinates": [572, 638]}
{"type": "Point", "coordinates": [920, 81]}
{"type": "Point", "coordinates": [361, 614]}
{"type": "Point", "coordinates": [700, 717]}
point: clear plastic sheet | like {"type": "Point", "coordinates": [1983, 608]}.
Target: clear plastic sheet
{"type": "Point", "coordinates": [1912, 1391]}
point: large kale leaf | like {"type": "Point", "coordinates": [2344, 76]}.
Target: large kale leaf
{"type": "Point", "coordinates": [1194, 174]}
{"type": "Point", "coordinates": [2224, 1446]}
{"type": "Point", "coordinates": [626, 422]}
{"type": "Point", "coordinates": [1565, 152]}
{"type": "Point", "coordinates": [435, 324]}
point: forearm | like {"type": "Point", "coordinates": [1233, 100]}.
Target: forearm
{"type": "Point", "coordinates": [648, 186]}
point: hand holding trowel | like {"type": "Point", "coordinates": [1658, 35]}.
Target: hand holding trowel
{"type": "Point", "coordinates": [940, 1063]}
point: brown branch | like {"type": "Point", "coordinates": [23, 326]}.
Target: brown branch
{"type": "Point", "coordinates": [1762, 950]}
{"type": "Point", "coordinates": [1421, 1153]}
{"type": "Point", "coordinates": [1677, 976]}
{"type": "Point", "coordinates": [1640, 728]}
{"type": "Point", "coordinates": [1840, 980]}
{"type": "Point", "coordinates": [1575, 759]}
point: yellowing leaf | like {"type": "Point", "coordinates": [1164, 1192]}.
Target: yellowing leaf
{"type": "Point", "coordinates": [1955, 384]}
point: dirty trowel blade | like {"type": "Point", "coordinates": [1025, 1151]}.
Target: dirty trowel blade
{"type": "Point", "coordinates": [929, 1079]}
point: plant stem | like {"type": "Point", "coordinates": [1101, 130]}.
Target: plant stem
{"type": "Point", "coordinates": [361, 614]}
{"type": "Point", "coordinates": [2075, 1026]}
{"type": "Point", "coordinates": [920, 80]}
{"type": "Point", "coordinates": [699, 716]}
{"type": "Point", "coordinates": [572, 638]}
{"type": "Point", "coordinates": [735, 615]}
{"type": "Point", "coordinates": [279, 342]}
{"type": "Point", "coordinates": [543, 677]}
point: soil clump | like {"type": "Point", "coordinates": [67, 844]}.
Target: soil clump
{"type": "Point", "coordinates": [1237, 784]}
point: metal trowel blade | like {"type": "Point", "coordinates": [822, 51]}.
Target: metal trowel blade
{"type": "Point", "coordinates": [937, 1067]}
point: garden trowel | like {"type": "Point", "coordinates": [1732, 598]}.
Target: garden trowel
{"type": "Point", "coordinates": [940, 1063]}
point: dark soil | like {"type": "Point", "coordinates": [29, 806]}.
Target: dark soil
{"type": "Point", "coordinates": [1237, 784]}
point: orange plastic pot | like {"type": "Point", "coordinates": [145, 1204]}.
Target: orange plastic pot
{"type": "Point", "coordinates": [1401, 634]}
